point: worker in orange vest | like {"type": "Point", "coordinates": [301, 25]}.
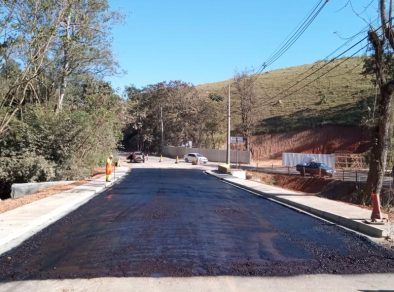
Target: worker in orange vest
{"type": "Point", "coordinates": [108, 168]}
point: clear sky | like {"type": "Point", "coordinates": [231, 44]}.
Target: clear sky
{"type": "Point", "coordinates": [201, 41]}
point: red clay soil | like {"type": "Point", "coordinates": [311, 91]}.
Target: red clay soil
{"type": "Point", "coordinates": [348, 192]}
{"type": "Point", "coordinates": [326, 139]}
{"type": "Point", "coordinates": [9, 204]}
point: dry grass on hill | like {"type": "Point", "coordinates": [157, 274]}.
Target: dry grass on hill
{"type": "Point", "coordinates": [340, 97]}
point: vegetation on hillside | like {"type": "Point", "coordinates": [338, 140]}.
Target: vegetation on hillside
{"type": "Point", "coordinates": [260, 104]}
{"type": "Point", "coordinates": [342, 97]}
{"type": "Point", "coordinates": [58, 118]}
{"type": "Point", "coordinates": [172, 113]}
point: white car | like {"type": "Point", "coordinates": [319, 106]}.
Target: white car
{"type": "Point", "coordinates": [193, 156]}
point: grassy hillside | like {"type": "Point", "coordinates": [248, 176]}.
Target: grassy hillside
{"type": "Point", "coordinates": [341, 97]}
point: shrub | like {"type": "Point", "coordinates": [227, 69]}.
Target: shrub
{"type": "Point", "coordinates": [22, 169]}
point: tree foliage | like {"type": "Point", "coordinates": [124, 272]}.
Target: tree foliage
{"type": "Point", "coordinates": [58, 118]}
{"type": "Point", "coordinates": [186, 116]}
{"type": "Point", "coordinates": [245, 88]}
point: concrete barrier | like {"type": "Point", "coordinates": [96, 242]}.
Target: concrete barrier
{"type": "Point", "coordinates": [23, 189]}
{"type": "Point", "coordinates": [224, 168]}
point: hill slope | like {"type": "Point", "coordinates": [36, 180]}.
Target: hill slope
{"type": "Point", "coordinates": [342, 97]}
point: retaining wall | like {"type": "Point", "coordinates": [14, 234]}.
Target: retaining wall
{"type": "Point", "coordinates": [212, 154]}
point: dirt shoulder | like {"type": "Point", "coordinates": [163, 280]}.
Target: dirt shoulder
{"type": "Point", "coordinates": [348, 192]}
{"type": "Point", "coordinates": [9, 204]}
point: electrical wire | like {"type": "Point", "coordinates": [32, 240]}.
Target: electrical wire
{"type": "Point", "coordinates": [329, 62]}
{"type": "Point", "coordinates": [290, 40]}
{"type": "Point", "coordinates": [320, 68]}
{"type": "Point", "coordinates": [336, 66]}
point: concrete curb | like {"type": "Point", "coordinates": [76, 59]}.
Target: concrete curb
{"type": "Point", "coordinates": [19, 224]}
{"type": "Point", "coordinates": [356, 225]}
{"type": "Point", "coordinates": [22, 189]}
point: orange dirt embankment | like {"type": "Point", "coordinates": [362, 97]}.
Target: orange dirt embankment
{"type": "Point", "coordinates": [326, 139]}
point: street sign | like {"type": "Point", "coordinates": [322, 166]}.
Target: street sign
{"type": "Point", "coordinates": [236, 140]}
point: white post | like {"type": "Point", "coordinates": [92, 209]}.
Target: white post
{"type": "Point", "coordinates": [228, 161]}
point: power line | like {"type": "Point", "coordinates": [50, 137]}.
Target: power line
{"type": "Point", "coordinates": [290, 40]}
{"type": "Point", "coordinates": [336, 66]}
{"type": "Point", "coordinates": [320, 68]}
{"type": "Point", "coordinates": [329, 62]}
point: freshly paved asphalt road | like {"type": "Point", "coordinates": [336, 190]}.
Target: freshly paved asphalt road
{"type": "Point", "coordinates": [182, 222]}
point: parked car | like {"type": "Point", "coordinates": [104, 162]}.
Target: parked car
{"type": "Point", "coordinates": [190, 157]}
{"type": "Point", "coordinates": [315, 168]}
{"type": "Point", "coordinates": [136, 156]}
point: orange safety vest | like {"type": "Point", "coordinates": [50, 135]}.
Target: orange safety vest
{"type": "Point", "coordinates": [108, 166]}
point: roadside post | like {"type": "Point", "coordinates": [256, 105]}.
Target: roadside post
{"type": "Point", "coordinates": [237, 140]}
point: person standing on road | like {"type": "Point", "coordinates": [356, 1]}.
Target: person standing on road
{"type": "Point", "coordinates": [108, 168]}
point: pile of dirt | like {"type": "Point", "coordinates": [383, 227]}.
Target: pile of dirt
{"type": "Point", "coordinates": [307, 185]}
{"type": "Point", "coordinates": [345, 191]}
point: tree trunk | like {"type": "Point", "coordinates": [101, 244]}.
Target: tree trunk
{"type": "Point", "coordinates": [66, 65]}
{"type": "Point", "coordinates": [381, 130]}
{"type": "Point", "coordinates": [381, 141]}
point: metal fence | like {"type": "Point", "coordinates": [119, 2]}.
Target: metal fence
{"type": "Point", "coordinates": [356, 175]}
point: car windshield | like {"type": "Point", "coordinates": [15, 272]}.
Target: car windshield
{"type": "Point", "coordinates": [323, 165]}
{"type": "Point", "coordinates": [199, 155]}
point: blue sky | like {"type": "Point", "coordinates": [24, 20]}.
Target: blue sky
{"type": "Point", "coordinates": [204, 41]}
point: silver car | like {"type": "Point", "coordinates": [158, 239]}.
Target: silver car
{"type": "Point", "coordinates": [190, 157]}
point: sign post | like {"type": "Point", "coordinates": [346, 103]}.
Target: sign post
{"type": "Point", "coordinates": [237, 140]}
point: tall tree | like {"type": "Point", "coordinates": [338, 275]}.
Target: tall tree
{"type": "Point", "coordinates": [83, 44]}
{"type": "Point", "coordinates": [244, 85]}
{"type": "Point", "coordinates": [382, 40]}
{"type": "Point", "coordinates": [178, 106]}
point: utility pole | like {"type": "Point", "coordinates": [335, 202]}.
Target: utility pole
{"type": "Point", "coordinates": [228, 125]}
{"type": "Point", "coordinates": [162, 130]}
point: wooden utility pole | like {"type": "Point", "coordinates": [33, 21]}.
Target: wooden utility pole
{"type": "Point", "coordinates": [228, 125]}
{"type": "Point", "coordinates": [161, 130]}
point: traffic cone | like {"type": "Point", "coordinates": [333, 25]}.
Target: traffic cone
{"type": "Point", "coordinates": [376, 213]}
{"type": "Point", "coordinates": [176, 160]}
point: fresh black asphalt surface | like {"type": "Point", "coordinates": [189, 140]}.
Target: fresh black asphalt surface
{"type": "Point", "coordinates": [182, 222]}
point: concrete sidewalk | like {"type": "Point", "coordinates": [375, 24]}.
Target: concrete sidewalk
{"type": "Point", "coordinates": [344, 214]}
{"type": "Point", "coordinates": [19, 224]}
